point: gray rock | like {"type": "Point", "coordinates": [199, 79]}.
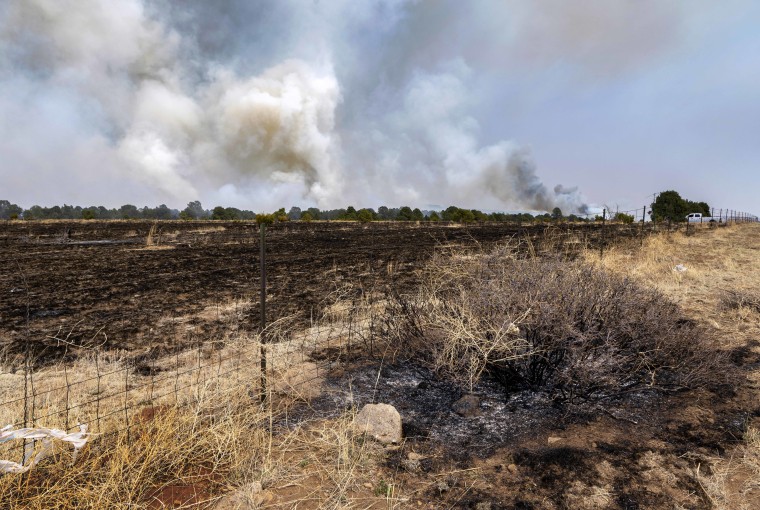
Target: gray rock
{"type": "Point", "coordinates": [467, 406]}
{"type": "Point", "coordinates": [381, 421]}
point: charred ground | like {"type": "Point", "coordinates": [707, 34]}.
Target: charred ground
{"type": "Point", "coordinates": [124, 284]}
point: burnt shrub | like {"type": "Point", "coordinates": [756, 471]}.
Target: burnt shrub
{"type": "Point", "coordinates": [568, 327]}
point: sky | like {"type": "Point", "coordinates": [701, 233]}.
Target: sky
{"type": "Point", "coordinates": [496, 105]}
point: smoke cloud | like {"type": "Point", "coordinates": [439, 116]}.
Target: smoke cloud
{"type": "Point", "coordinates": [274, 103]}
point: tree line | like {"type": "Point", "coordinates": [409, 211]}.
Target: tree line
{"type": "Point", "coordinates": [196, 211]}
{"type": "Point", "coordinates": [669, 205]}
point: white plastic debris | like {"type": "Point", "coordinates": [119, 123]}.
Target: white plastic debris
{"type": "Point", "coordinates": [77, 440]}
{"type": "Point", "coordinates": [680, 268]}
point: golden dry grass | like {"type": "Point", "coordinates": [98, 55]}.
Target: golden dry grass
{"type": "Point", "coordinates": [206, 433]}
{"type": "Point", "coordinates": [720, 287]}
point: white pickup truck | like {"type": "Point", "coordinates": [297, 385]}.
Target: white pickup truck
{"type": "Point", "coordinates": [698, 218]}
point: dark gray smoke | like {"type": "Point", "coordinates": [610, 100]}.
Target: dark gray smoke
{"type": "Point", "coordinates": [269, 103]}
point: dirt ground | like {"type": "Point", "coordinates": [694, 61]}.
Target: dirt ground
{"type": "Point", "coordinates": [689, 450]}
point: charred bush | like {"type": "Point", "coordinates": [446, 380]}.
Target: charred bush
{"type": "Point", "coordinates": [568, 327]}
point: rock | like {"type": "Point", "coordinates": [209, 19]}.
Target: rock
{"type": "Point", "coordinates": [381, 421]}
{"type": "Point", "coordinates": [512, 468]}
{"type": "Point", "coordinates": [554, 439]}
{"type": "Point", "coordinates": [467, 406]}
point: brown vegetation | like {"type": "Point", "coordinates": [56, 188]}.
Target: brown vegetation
{"type": "Point", "coordinates": [618, 362]}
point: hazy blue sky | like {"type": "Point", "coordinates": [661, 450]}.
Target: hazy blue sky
{"type": "Point", "coordinates": [492, 104]}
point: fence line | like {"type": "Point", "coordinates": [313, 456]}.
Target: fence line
{"type": "Point", "coordinates": [108, 389]}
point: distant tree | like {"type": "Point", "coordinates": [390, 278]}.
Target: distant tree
{"type": "Point", "coordinates": [280, 215]}
{"type": "Point", "coordinates": [669, 205]}
{"type": "Point", "coordinates": [700, 207]}
{"type": "Point", "coordinates": [316, 214]}
{"type": "Point", "coordinates": [128, 211]}
{"type": "Point", "coordinates": [164, 213]}
{"type": "Point", "coordinates": [9, 210]}
{"type": "Point", "coordinates": [434, 216]}
{"type": "Point", "coordinates": [365, 215]}
{"type": "Point", "coordinates": [479, 215]}
{"type": "Point", "coordinates": [384, 213]}
{"type": "Point", "coordinates": [556, 214]}
{"type": "Point", "coordinates": [195, 210]}
{"type": "Point", "coordinates": [624, 218]}
{"type": "Point", "coordinates": [467, 216]}
{"type": "Point", "coordinates": [452, 213]}
{"type": "Point", "coordinates": [220, 213]}
{"type": "Point", "coordinates": [294, 213]}
{"type": "Point", "coordinates": [417, 214]}
{"type": "Point", "coordinates": [306, 216]}
{"type": "Point", "coordinates": [88, 214]}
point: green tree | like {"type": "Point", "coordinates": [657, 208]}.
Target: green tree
{"type": "Point", "coordinates": [384, 213]}
{"type": "Point", "coordinates": [219, 213]}
{"type": "Point", "coordinates": [195, 210]}
{"type": "Point", "coordinates": [316, 214]}
{"type": "Point", "coordinates": [557, 214]}
{"type": "Point", "coordinates": [452, 213]}
{"type": "Point", "coordinates": [294, 213]}
{"type": "Point", "coordinates": [365, 215]}
{"type": "Point", "coordinates": [669, 205]}
{"type": "Point", "coordinates": [405, 214]}
{"type": "Point", "coordinates": [128, 211]}
{"type": "Point", "coordinates": [306, 216]}
{"type": "Point", "coordinates": [9, 210]}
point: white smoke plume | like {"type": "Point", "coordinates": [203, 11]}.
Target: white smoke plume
{"type": "Point", "coordinates": [259, 105]}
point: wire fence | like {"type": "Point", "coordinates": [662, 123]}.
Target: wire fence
{"type": "Point", "coordinates": [228, 343]}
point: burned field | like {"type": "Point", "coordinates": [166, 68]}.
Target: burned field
{"type": "Point", "coordinates": [529, 372]}
{"type": "Point", "coordinates": [125, 285]}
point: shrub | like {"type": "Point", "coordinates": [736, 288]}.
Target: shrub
{"type": "Point", "coordinates": [624, 218]}
{"type": "Point", "coordinates": [266, 219]}
{"type": "Point", "coordinates": [567, 327]}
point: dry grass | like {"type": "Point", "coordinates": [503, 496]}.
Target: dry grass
{"type": "Point", "coordinates": [719, 288]}
{"type": "Point", "coordinates": [201, 446]}
{"type": "Point", "coordinates": [188, 428]}
{"type": "Point", "coordinates": [208, 441]}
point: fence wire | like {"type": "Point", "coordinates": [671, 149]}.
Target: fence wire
{"type": "Point", "coordinates": [109, 388]}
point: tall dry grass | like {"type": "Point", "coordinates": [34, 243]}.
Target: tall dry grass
{"type": "Point", "coordinates": [186, 429]}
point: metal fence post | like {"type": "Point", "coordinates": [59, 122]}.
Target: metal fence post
{"type": "Point", "coordinates": [263, 309]}
{"type": "Point", "coordinates": [601, 237]}
{"type": "Point", "coordinates": [643, 222]}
